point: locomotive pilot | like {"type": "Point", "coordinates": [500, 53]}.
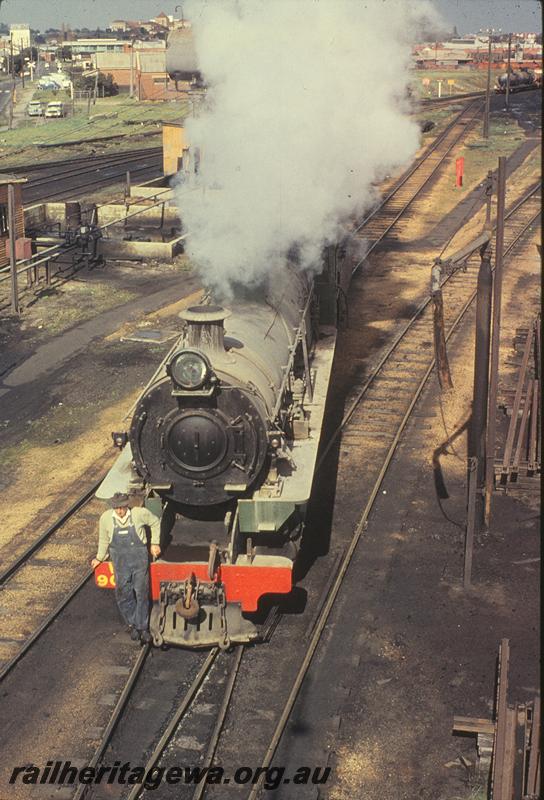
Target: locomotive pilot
{"type": "Point", "coordinates": [122, 532]}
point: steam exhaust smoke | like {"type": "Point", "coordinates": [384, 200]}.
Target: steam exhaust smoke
{"type": "Point", "coordinates": [304, 112]}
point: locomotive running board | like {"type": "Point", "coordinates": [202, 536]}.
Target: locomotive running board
{"type": "Point", "coordinates": [210, 628]}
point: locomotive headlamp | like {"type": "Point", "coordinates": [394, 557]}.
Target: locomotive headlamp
{"type": "Point", "coordinates": [119, 439]}
{"type": "Point", "coordinates": [189, 369]}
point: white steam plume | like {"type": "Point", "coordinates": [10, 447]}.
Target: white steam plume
{"type": "Point", "coordinates": [303, 114]}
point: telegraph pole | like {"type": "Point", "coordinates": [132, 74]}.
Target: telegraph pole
{"type": "Point", "coordinates": [131, 93]}
{"type": "Point", "coordinates": [507, 101]}
{"type": "Point", "coordinates": [12, 93]}
{"type": "Point", "coordinates": [22, 62]}
{"type": "Point", "coordinates": [488, 88]}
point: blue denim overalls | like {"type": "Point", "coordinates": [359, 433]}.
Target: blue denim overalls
{"type": "Point", "coordinates": [131, 568]}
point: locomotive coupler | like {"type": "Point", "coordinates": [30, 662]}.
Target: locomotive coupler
{"type": "Point", "coordinates": [187, 606]}
{"type": "Point", "coordinates": [195, 613]}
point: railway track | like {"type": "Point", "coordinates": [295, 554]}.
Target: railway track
{"type": "Point", "coordinates": [67, 543]}
{"type": "Point", "coordinates": [379, 412]}
{"type": "Point", "coordinates": [186, 722]}
{"type": "Point", "coordinates": [376, 225]}
{"type": "Point", "coordinates": [52, 167]}
{"type": "Point", "coordinates": [401, 365]}
{"type": "Point", "coordinates": [74, 180]}
{"type": "Point", "coordinates": [394, 387]}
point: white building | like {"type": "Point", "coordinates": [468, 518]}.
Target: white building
{"type": "Point", "coordinates": [19, 34]}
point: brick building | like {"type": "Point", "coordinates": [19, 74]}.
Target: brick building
{"type": "Point", "coordinates": [146, 66]}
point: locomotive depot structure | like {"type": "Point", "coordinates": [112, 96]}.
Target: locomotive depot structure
{"type": "Point", "coordinates": [346, 465]}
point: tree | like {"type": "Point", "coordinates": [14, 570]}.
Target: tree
{"type": "Point", "coordinates": [19, 60]}
{"type": "Point", "coordinates": [64, 53]}
{"type": "Point", "coordinates": [104, 83]}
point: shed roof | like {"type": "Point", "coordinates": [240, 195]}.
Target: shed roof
{"type": "Point", "coordinates": [6, 177]}
{"type": "Point", "coordinates": [106, 61]}
{"type": "Point", "coordinates": [152, 62]}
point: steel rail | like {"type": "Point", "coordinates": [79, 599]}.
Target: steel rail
{"type": "Point", "coordinates": [417, 314]}
{"type": "Point", "coordinates": [176, 718]}
{"type": "Point", "coordinates": [84, 789]}
{"type": "Point", "coordinates": [40, 541]}
{"type": "Point", "coordinates": [220, 721]}
{"type": "Point", "coordinates": [418, 191]}
{"type": "Point", "coordinates": [332, 595]}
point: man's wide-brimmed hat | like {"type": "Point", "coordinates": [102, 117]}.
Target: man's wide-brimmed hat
{"type": "Point", "coordinates": [119, 500]}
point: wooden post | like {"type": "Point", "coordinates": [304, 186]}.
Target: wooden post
{"type": "Point", "coordinates": [12, 257]}
{"type": "Point", "coordinates": [501, 789]}
{"type": "Point", "coordinates": [471, 521]}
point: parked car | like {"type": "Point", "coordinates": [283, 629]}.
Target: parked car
{"type": "Point", "coordinates": [55, 109]}
{"type": "Point", "coordinates": [35, 108]}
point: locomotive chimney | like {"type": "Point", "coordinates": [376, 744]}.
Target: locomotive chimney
{"type": "Point", "coordinates": [205, 329]}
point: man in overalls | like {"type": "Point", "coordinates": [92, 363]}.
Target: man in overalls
{"type": "Point", "coordinates": [123, 533]}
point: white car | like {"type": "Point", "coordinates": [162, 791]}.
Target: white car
{"type": "Point", "coordinates": [55, 109]}
{"type": "Point", "coordinates": [35, 108]}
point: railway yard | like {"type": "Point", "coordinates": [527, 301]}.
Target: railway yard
{"type": "Point", "coordinates": [378, 671]}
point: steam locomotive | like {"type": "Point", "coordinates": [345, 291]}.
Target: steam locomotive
{"type": "Point", "coordinates": [222, 446]}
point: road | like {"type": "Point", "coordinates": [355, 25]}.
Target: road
{"type": "Point", "coordinates": [5, 89]}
